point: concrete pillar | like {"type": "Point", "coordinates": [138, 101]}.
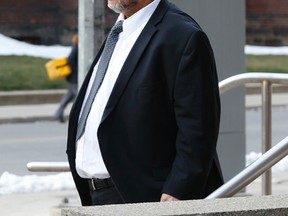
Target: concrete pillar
{"type": "Point", "coordinates": [86, 37]}
{"type": "Point", "coordinates": [91, 17]}
{"type": "Point", "coordinates": [224, 22]}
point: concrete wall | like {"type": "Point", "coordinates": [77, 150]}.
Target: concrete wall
{"type": "Point", "coordinates": [224, 22]}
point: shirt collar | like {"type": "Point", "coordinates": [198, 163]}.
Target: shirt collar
{"type": "Point", "coordinates": [138, 19]}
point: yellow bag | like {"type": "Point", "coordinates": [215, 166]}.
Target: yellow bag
{"type": "Point", "coordinates": [58, 68]}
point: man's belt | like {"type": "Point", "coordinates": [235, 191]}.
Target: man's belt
{"type": "Point", "coordinates": [98, 184]}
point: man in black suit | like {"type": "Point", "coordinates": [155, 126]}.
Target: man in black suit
{"type": "Point", "coordinates": [152, 129]}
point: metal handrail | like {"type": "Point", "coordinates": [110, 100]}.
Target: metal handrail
{"type": "Point", "coordinates": [264, 163]}
{"type": "Point", "coordinates": [245, 78]}
{"type": "Point", "coordinates": [266, 79]}
{"type": "Point", "coordinates": [48, 166]}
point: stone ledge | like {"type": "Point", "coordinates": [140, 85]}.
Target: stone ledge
{"type": "Point", "coordinates": [31, 97]}
{"type": "Point", "coordinates": [235, 206]}
{"type": "Point", "coordinates": [54, 96]}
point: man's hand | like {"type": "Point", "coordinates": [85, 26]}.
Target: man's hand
{"type": "Point", "coordinates": [167, 197]}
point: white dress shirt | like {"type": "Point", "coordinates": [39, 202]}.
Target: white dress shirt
{"type": "Point", "coordinates": [89, 161]}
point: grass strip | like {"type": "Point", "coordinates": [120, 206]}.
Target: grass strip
{"type": "Point", "coordinates": [26, 73]}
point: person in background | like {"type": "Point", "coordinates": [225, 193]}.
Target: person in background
{"type": "Point", "coordinates": [72, 80]}
{"type": "Point", "coordinates": [150, 132]}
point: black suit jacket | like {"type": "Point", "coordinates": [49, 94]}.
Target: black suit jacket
{"type": "Point", "coordinates": [159, 130]}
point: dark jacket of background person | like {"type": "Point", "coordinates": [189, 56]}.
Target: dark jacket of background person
{"type": "Point", "coordinates": [159, 130]}
{"type": "Point", "coordinates": [73, 62]}
{"type": "Point", "coordinates": [72, 80]}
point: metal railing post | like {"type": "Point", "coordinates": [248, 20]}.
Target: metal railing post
{"type": "Point", "coordinates": [266, 133]}
{"type": "Point", "coordinates": [266, 79]}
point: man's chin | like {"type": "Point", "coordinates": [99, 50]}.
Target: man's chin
{"type": "Point", "coordinates": [114, 8]}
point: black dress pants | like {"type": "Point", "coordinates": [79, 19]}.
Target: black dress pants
{"type": "Point", "coordinates": [106, 196]}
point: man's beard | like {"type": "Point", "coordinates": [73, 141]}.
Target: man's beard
{"type": "Point", "coordinates": [123, 5]}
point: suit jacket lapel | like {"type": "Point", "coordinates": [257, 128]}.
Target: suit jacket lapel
{"type": "Point", "coordinates": [127, 70]}
{"type": "Point", "coordinates": [134, 57]}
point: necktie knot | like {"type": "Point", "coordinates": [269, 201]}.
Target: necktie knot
{"type": "Point", "coordinates": [117, 29]}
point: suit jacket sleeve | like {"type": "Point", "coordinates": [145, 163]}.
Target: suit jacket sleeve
{"type": "Point", "coordinates": [197, 113]}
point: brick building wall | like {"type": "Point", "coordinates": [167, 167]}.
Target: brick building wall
{"type": "Point", "coordinates": [267, 22]}
{"type": "Point", "coordinates": [54, 21]}
{"type": "Point", "coordinates": [39, 22]}
{"type": "Point", "coordinates": [43, 22]}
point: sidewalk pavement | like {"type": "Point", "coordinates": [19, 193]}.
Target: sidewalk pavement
{"type": "Point", "coordinates": [45, 111]}
{"type": "Point", "coordinates": [38, 204]}
{"type": "Point", "coordinates": [29, 112]}
{"type": "Point", "coordinates": [50, 203]}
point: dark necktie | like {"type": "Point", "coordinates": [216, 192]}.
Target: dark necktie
{"type": "Point", "coordinates": [101, 71]}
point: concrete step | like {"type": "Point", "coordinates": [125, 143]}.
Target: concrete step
{"type": "Point", "coordinates": [235, 206]}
